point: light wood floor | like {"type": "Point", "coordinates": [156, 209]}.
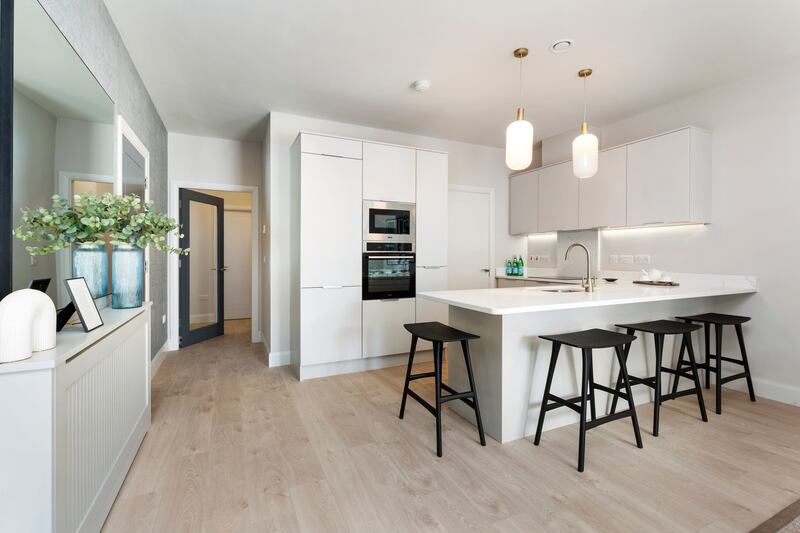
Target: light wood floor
{"type": "Point", "coordinates": [235, 446]}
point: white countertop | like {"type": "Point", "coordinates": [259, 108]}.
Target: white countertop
{"type": "Point", "coordinates": [72, 340]}
{"type": "Point", "coordinates": [536, 299]}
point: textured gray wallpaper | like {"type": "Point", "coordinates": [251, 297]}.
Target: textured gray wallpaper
{"type": "Point", "coordinates": [89, 28]}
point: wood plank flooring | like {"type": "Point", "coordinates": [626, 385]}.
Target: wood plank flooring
{"type": "Point", "coordinates": [235, 446]}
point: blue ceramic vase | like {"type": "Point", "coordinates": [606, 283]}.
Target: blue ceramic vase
{"type": "Point", "coordinates": [90, 261]}
{"type": "Point", "coordinates": [127, 276]}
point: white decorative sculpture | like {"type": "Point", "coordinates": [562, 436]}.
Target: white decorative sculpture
{"type": "Point", "coordinates": [27, 324]}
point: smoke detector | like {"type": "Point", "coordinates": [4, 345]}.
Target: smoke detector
{"type": "Point", "coordinates": [562, 45]}
{"type": "Point", "coordinates": [421, 85]}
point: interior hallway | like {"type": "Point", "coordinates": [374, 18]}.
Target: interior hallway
{"type": "Point", "coordinates": [235, 446]}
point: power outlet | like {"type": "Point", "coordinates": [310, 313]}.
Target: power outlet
{"type": "Point", "coordinates": [642, 259]}
{"type": "Point", "coordinates": [626, 259]}
{"type": "Point", "coordinates": [540, 259]}
{"type": "Point", "coordinates": [613, 259]}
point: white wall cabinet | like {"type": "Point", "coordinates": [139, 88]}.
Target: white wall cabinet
{"type": "Point", "coordinates": [523, 198]}
{"type": "Point", "coordinates": [333, 146]}
{"type": "Point", "coordinates": [383, 331]}
{"type": "Point", "coordinates": [330, 327]}
{"type": "Point", "coordinates": [330, 222]}
{"type": "Point", "coordinates": [603, 196]}
{"type": "Point", "coordinates": [431, 176]}
{"type": "Point", "coordinates": [558, 198]}
{"type": "Point", "coordinates": [669, 178]}
{"type": "Point", "coordinates": [389, 173]}
{"type": "Point", "coordinates": [430, 279]}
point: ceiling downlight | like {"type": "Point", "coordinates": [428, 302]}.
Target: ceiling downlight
{"type": "Point", "coordinates": [561, 46]}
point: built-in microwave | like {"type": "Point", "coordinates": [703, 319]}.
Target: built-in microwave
{"type": "Point", "coordinates": [389, 221]}
{"type": "Point", "coordinates": [389, 271]}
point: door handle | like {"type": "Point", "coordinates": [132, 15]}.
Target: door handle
{"type": "Point", "coordinates": [485, 270]}
{"type": "Point", "coordinates": [223, 269]}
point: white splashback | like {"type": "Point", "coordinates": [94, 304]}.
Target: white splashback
{"type": "Point", "coordinates": [576, 264]}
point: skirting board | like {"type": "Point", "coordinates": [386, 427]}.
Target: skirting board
{"type": "Point", "coordinates": [361, 365]}
{"type": "Point", "coordinates": [766, 388]}
{"type": "Point", "coordinates": [279, 358]}
{"type": "Point", "coordinates": [155, 363]}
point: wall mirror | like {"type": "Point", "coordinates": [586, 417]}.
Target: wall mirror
{"type": "Point", "coordinates": [63, 137]}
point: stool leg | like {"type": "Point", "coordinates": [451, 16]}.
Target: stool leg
{"type": "Point", "coordinates": [679, 366]}
{"type": "Point", "coordinates": [411, 353]}
{"type": "Point", "coordinates": [471, 376]}
{"type": "Point", "coordinates": [586, 355]}
{"type": "Point", "coordinates": [437, 366]}
{"type": "Point", "coordinates": [631, 405]}
{"type": "Point", "coordinates": [707, 333]}
{"type": "Point", "coordinates": [718, 335]}
{"type": "Point", "coordinates": [548, 382]}
{"type": "Point", "coordinates": [740, 336]}
{"type": "Point", "coordinates": [687, 341]}
{"type": "Point", "coordinates": [593, 411]}
{"type": "Point", "coordinates": [618, 387]}
{"type": "Point", "coordinates": [657, 396]}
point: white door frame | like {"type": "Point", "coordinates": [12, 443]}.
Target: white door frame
{"type": "Point", "coordinates": [123, 130]}
{"type": "Point", "coordinates": [490, 192]}
{"type": "Point", "coordinates": [173, 284]}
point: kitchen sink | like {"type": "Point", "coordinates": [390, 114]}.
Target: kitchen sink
{"type": "Point", "coordinates": [563, 290]}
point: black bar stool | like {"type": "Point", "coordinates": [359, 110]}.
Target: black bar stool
{"type": "Point", "coordinates": [719, 320]}
{"type": "Point", "coordinates": [660, 329]}
{"type": "Point", "coordinates": [587, 341]}
{"type": "Point", "coordinates": [438, 334]}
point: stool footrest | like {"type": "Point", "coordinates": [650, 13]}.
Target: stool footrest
{"type": "Point", "coordinates": [458, 396]}
{"type": "Point", "coordinates": [561, 402]}
{"type": "Point", "coordinates": [603, 388]}
{"type": "Point", "coordinates": [422, 401]}
{"type": "Point", "coordinates": [608, 418]}
{"type": "Point", "coordinates": [650, 382]}
{"type": "Point", "coordinates": [673, 395]}
{"type": "Point", "coordinates": [412, 377]}
{"type": "Point", "coordinates": [713, 357]}
{"type": "Point", "coordinates": [734, 377]}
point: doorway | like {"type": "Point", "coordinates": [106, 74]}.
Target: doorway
{"type": "Point", "coordinates": [216, 278]}
{"type": "Point", "coordinates": [471, 237]}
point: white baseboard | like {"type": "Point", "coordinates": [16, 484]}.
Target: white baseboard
{"type": "Point", "coordinates": [361, 365]}
{"type": "Point", "coordinates": [771, 390]}
{"type": "Point", "coordinates": [279, 358]}
{"type": "Point", "coordinates": [155, 363]}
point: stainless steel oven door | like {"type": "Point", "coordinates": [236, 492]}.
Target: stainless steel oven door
{"type": "Point", "coordinates": [388, 276]}
{"type": "Point", "coordinates": [389, 221]}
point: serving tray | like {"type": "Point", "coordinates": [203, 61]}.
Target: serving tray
{"type": "Point", "coordinates": [658, 283]}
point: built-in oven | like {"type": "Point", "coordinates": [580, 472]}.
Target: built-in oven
{"type": "Point", "coordinates": [389, 221]}
{"type": "Point", "coordinates": [389, 271]}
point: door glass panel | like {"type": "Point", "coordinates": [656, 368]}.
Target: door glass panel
{"type": "Point", "coordinates": [202, 265]}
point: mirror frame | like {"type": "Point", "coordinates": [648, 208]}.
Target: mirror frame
{"type": "Point", "coordinates": [6, 141]}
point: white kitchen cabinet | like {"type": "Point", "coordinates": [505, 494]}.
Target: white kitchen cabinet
{"type": "Point", "coordinates": [431, 212]}
{"type": "Point", "coordinates": [603, 196]}
{"type": "Point", "coordinates": [523, 203]}
{"type": "Point", "coordinates": [330, 221]}
{"type": "Point", "coordinates": [334, 146]}
{"type": "Point", "coordinates": [383, 331]}
{"type": "Point", "coordinates": [330, 325]}
{"type": "Point", "coordinates": [430, 279]}
{"type": "Point", "coordinates": [558, 198]}
{"type": "Point", "coordinates": [389, 173]}
{"type": "Point", "coordinates": [669, 178]}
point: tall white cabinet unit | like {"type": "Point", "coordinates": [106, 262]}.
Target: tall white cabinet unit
{"type": "Point", "coordinates": [389, 173]}
{"type": "Point", "coordinates": [326, 250]}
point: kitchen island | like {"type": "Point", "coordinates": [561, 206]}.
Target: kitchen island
{"type": "Point", "coordinates": [510, 361]}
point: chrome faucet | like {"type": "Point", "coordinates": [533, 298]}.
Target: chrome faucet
{"type": "Point", "coordinates": [588, 283]}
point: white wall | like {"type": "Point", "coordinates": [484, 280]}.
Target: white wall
{"type": "Point", "coordinates": [34, 149]}
{"type": "Point", "coordinates": [84, 147]}
{"type": "Point", "coordinates": [755, 216]}
{"type": "Point", "coordinates": [469, 165]}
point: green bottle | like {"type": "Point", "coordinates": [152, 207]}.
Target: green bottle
{"type": "Point", "coordinates": [521, 266]}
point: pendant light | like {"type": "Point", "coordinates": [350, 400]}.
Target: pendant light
{"type": "Point", "coordinates": [584, 147]}
{"type": "Point", "coordinates": [519, 134]}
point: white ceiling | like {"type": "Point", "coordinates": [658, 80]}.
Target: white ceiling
{"type": "Point", "coordinates": [217, 68]}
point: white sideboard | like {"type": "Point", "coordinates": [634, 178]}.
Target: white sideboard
{"type": "Point", "coordinates": [71, 421]}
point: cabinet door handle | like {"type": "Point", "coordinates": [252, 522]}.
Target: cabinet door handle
{"type": "Point", "coordinates": [485, 270]}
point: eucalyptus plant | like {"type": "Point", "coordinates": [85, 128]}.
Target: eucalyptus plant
{"type": "Point", "coordinates": [89, 220]}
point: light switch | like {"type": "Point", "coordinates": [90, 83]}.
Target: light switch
{"type": "Point", "coordinates": [613, 259]}
{"type": "Point", "coordinates": [642, 259]}
{"type": "Point", "coordinates": [626, 259]}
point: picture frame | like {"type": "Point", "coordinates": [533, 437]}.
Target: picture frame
{"type": "Point", "coordinates": [84, 303]}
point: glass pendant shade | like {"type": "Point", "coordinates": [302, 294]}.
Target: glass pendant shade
{"type": "Point", "coordinates": [584, 154]}
{"type": "Point", "coordinates": [519, 144]}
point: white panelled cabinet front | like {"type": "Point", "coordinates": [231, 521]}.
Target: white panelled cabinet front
{"type": "Point", "coordinates": [558, 198]}
{"type": "Point", "coordinates": [602, 197]}
{"type": "Point", "coordinates": [330, 224]}
{"type": "Point", "coordinates": [431, 208]}
{"type": "Point", "coordinates": [430, 279]}
{"type": "Point", "coordinates": [523, 203]}
{"type": "Point", "coordinates": [330, 328]}
{"type": "Point", "coordinates": [383, 331]}
{"type": "Point", "coordinates": [389, 173]}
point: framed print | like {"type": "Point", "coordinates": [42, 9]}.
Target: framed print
{"type": "Point", "coordinates": [84, 304]}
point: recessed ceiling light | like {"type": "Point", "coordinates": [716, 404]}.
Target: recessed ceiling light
{"type": "Point", "coordinates": [421, 85]}
{"type": "Point", "coordinates": [562, 45]}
